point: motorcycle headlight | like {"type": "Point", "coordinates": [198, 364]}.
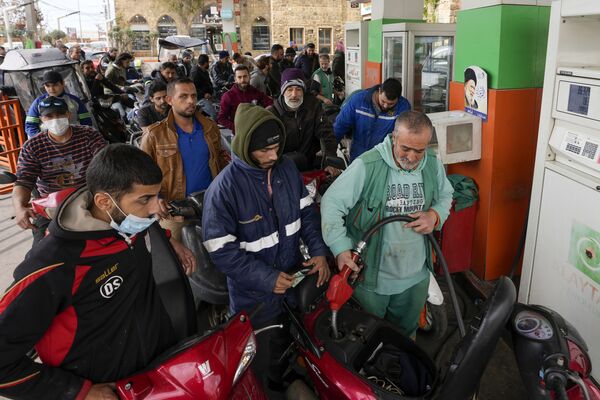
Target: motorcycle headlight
{"type": "Point", "coordinates": [246, 359]}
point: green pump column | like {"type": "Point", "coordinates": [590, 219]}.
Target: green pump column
{"type": "Point", "coordinates": [509, 42]}
{"type": "Point", "coordinates": [386, 12]}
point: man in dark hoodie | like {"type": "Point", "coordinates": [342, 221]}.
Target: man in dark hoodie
{"type": "Point", "coordinates": [167, 72]}
{"type": "Point", "coordinates": [308, 62]}
{"type": "Point", "coordinates": [85, 297]}
{"type": "Point", "coordinates": [256, 211]}
{"type": "Point", "coordinates": [204, 87]}
{"type": "Point", "coordinates": [307, 128]}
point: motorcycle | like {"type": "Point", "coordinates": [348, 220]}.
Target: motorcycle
{"type": "Point", "coordinates": [350, 354]}
{"type": "Point", "coordinates": [552, 356]}
{"type": "Point", "coordinates": [110, 123]}
{"type": "Point", "coordinates": [210, 366]}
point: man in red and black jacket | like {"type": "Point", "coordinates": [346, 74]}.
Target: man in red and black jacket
{"type": "Point", "coordinates": [85, 297]}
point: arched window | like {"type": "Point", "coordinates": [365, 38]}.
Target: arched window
{"type": "Point", "coordinates": [137, 19]}
{"type": "Point", "coordinates": [198, 29]}
{"type": "Point", "coordinates": [141, 33]}
{"type": "Point", "coordinates": [166, 26]}
{"type": "Point", "coordinates": [261, 37]}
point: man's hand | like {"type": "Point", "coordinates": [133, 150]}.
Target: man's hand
{"type": "Point", "coordinates": [319, 264]}
{"type": "Point", "coordinates": [345, 258]}
{"type": "Point", "coordinates": [283, 283]}
{"type": "Point", "coordinates": [327, 101]}
{"type": "Point", "coordinates": [424, 223]}
{"type": "Point", "coordinates": [333, 171]}
{"type": "Point", "coordinates": [186, 257]}
{"type": "Point", "coordinates": [99, 76]}
{"type": "Point", "coordinates": [163, 212]}
{"type": "Point", "coordinates": [24, 217]}
{"type": "Point", "coordinates": [102, 391]}
{"type": "Point", "coordinates": [207, 96]}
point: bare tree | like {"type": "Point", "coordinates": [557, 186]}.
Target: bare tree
{"type": "Point", "coordinates": [186, 10]}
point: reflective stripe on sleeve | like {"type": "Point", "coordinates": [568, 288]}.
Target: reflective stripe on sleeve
{"type": "Point", "coordinates": [292, 228]}
{"type": "Point", "coordinates": [215, 244]}
{"type": "Point", "coordinates": [305, 201]}
{"type": "Point", "coordinates": [264, 242]}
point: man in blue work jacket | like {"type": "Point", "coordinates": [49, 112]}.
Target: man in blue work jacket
{"type": "Point", "coordinates": [369, 115]}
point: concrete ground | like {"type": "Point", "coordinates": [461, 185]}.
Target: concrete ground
{"type": "Point", "coordinates": [14, 243]}
{"type": "Point", "coordinates": [500, 381]}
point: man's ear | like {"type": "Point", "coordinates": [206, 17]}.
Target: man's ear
{"type": "Point", "coordinates": [169, 100]}
{"type": "Point", "coordinates": [103, 201]}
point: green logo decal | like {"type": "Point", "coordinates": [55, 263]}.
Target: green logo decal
{"type": "Point", "coordinates": [584, 250]}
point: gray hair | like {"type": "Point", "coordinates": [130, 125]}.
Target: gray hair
{"type": "Point", "coordinates": [414, 121]}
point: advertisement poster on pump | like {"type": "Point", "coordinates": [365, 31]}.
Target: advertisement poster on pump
{"type": "Point", "coordinates": [476, 93]}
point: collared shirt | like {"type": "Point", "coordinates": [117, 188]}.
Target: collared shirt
{"type": "Point", "coordinates": [194, 153]}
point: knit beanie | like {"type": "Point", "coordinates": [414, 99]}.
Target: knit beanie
{"type": "Point", "coordinates": [223, 54]}
{"type": "Point", "coordinates": [266, 134]}
{"type": "Point", "coordinates": [292, 77]}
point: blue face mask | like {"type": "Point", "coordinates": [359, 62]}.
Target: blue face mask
{"type": "Point", "coordinates": [132, 224]}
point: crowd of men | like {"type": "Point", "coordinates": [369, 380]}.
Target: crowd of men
{"type": "Point", "coordinates": [256, 213]}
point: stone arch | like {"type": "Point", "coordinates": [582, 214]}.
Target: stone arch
{"type": "Point", "coordinates": [137, 19]}
{"type": "Point", "coordinates": [166, 26]}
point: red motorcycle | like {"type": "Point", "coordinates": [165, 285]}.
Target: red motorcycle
{"type": "Point", "coordinates": [212, 366]}
{"type": "Point", "coordinates": [350, 354]}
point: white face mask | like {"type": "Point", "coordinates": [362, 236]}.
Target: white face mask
{"type": "Point", "coordinates": [57, 126]}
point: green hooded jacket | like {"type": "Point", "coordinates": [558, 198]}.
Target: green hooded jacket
{"type": "Point", "coordinates": [247, 118]}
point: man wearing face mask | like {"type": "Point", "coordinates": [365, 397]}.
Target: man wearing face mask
{"type": "Point", "coordinates": [85, 297]}
{"type": "Point", "coordinates": [400, 176]}
{"type": "Point", "coordinates": [241, 92]}
{"type": "Point", "coordinates": [369, 115]}
{"type": "Point", "coordinates": [51, 161]}
{"type": "Point", "coordinates": [256, 211]}
{"type": "Point", "coordinates": [55, 86]}
{"type": "Point", "coordinates": [307, 128]}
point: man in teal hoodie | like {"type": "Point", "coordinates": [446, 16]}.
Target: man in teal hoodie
{"type": "Point", "coordinates": [399, 176]}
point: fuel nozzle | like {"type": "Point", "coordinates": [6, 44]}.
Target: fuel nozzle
{"type": "Point", "coordinates": [339, 292]}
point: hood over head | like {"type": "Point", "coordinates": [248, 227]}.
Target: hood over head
{"type": "Point", "coordinates": [248, 118]}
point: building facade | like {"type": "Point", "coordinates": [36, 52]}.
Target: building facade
{"type": "Point", "coordinates": [260, 23]}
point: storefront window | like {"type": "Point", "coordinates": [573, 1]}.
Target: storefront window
{"type": "Point", "coordinates": [261, 39]}
{"type": "Point", "coordinates": [324, 41]}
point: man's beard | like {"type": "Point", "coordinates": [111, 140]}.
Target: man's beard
{"type": "Point", "coordinates": [405, 164]}
{"type": "Point", "coordinates": [185, 114]}
{"type": "Point", "coordinates": [293, 105]}
{"type": "Point", "coordinates": [243, 86]}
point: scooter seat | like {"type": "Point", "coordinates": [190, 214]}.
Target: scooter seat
{"type": "Point", "coordinates": [207, 282]}
{"type": "Point", "coordinates": [172, 285]}
{"type": "Point", "coordinates": [308, 292]}
{"type": "Point", "coordinates": [475, 350]}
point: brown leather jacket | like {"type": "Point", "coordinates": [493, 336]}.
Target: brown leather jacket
{"type": "Point", "coordinates": [161, 143]}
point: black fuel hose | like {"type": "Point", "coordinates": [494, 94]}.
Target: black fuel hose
{"type": "Point", "coordinates": [438, 251]}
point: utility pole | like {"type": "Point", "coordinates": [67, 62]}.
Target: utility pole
{"type": "Point", "coordinates": [59, 18]}
{"type": "Point", "coordinates": [80, 30]}
{"type": "Point", "coordinates": [31, 18]}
